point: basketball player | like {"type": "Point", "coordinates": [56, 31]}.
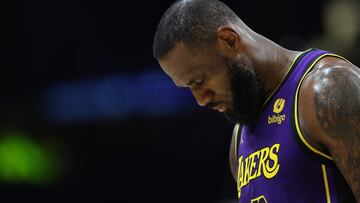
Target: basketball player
{"type": "Point", "coordinates": [297, 114]}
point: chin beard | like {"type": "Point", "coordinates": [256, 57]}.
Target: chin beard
{"type": "Point", "coordinates": [246, 92]}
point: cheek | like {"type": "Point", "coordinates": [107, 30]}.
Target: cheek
{"type": "Point", "coordinates": [221, 84]}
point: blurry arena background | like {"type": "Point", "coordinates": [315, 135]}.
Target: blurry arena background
{"type": "Point", "coordinates": [87, 115]}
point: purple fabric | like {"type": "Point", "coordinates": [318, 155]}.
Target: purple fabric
{"type": "Point", "coordinates": [299, 177]}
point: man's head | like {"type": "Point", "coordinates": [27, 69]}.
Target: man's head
{"type": "Point", "coordinates": [198, 44]}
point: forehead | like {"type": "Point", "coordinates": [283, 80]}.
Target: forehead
{"type": "Point", "coordinates": [181, 63]}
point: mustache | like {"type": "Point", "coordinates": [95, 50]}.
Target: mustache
{"type": "Point", "coordinates": [213, 104]}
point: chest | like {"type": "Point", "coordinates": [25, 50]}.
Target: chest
{"type": "Point", "coordinates": [271, 161]}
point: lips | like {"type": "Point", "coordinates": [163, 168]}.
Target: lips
{"type": "Point", "coordinates": [220, 106]}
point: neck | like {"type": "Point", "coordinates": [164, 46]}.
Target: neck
{"type": "Point", "coordinates": [271, 62]}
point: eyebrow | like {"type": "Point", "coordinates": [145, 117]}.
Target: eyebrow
{"type": "Point", "coordinates": [190, 82]}
{"type": "Point", "coordinates": [183, 86]}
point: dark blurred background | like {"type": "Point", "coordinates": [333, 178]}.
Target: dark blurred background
{"type": "Point", "coordinates": [87, 115]}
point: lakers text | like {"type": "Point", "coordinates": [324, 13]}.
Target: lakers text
{"type": "Point", "coordinates": [262, 162]}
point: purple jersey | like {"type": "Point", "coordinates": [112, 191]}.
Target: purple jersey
{"type": "Point", "coordinates": [275, 162]}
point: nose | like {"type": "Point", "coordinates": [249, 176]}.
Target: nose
{"type": "Point", "coordinates": [202, 95]}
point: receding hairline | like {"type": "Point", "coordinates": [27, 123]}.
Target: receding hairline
{"type": "Point", "coordinates": [193, 22]}
{"type": "Point", "coordinates": [198, 48]}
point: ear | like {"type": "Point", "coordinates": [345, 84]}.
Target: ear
{"type": "Point", "coordinates": [229, 40]}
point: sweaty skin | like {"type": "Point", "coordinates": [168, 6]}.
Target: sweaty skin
{"type": "Point", "coordinates": [204, 72]}
{"type": "Point", "coordinates": [207, 81]}
{"type": "Point", "coordinates": [329, 97]}
{"type": "Point", "coordinates": [329, 114]}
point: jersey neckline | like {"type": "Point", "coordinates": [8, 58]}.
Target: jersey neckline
{"type": "Point", "coordinates": [293, 64]}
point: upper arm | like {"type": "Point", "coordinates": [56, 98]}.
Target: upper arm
{"type": "Point", "coordinates": [329, 107]}
{"type": "Point", "coordinates": [232, 152]}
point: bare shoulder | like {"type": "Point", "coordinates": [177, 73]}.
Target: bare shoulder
{"type": "Point", "coordinates": [330, 92]}
{"type": "Point", "coordinates": [329, 113]}
{"type": "Point", "coordinates": [336, 90]}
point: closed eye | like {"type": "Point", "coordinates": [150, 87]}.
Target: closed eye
{"type": "Point", "coordinates": [196, 82]}
{"type": "Point", "coordinates": [199, 82]}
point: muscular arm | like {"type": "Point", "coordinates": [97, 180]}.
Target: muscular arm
{"type": "Point", "coordinates": [232, 155]}
{"type": "Point", "coordinates": [329, 113]}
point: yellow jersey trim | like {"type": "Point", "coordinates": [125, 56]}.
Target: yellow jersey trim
{"type": "Point", "coordinates": [326, 183]}
{"type": "Point", "coordinates": [279, 85]}
{"type": "Point", "coordinates": [337, 56]}
{"type": "Point", "coordinates": [262, 197]}
{"type": "Point", "coordinates": [296, 111]}
{"type": "Point", "coordinates": [296, 107]}
{"type": "Point", "coordinates": [236, 131]}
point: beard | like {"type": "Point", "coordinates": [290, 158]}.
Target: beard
{"type": "Point", "coordinates": [246, 92]}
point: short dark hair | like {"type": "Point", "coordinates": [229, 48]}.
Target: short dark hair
{"type": "Point", "coordinates": [193, 22]}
